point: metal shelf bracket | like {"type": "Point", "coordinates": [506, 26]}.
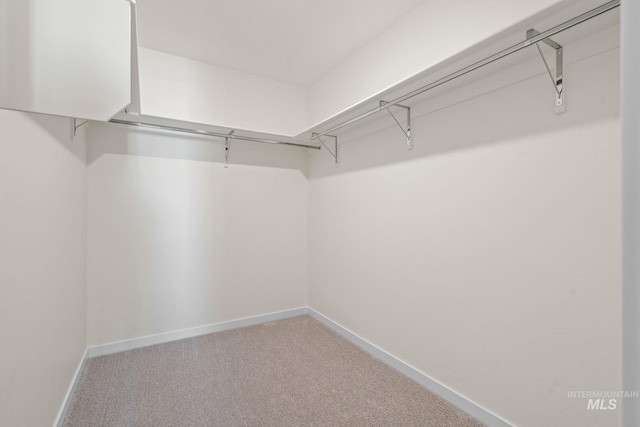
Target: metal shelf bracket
{"type": "Point", "coordinates": [558, 80]}
{"type": "Point", "coordinates": [227, 148]}
{"type": "Point", "coordinates": [333, 153]}
{"type": "Point", "coordinates": [406, 132]}
{"type": "Point", "coordinates": [76, 125]}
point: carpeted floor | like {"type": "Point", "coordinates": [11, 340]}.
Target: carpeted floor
{"type": "Point", "coordinates": [293, 372]}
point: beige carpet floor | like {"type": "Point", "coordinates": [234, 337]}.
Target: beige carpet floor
{"type": "Point", "coordinates": [293, 372]}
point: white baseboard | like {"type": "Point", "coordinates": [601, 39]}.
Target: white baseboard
{"type": "Point", "coordinates": [421, 378]}
{"type": "Point", "coordinates": [118, 346]}
{"type": "Point", "coordinates": [72, 388]}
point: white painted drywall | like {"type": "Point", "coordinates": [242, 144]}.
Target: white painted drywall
{"type": "Point", "coordinates": [65, 57]}
{"type": "Point", "coordinates": [176, 241]}
{"type": "Point", "coordinates": [183, 89]}
{"type": "Point", "coordinates": [42, 265]}
{"type": "Point", "coordinates": [489, 256]}
{"type": "Point", "coordinates": [631, 208]}
{"type": "Point", "coordinates": [294, 42]}
{"type": "Point", "coordinates": [431, 34]}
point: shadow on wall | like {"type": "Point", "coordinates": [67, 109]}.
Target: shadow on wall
{"type": "Point", "coordinates": [61, 130]}
{"type": "Point", "coordinates": [106, 138]}
{"type": "Point", "coordinates": [482, 113]}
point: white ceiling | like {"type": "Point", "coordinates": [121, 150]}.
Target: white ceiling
{"type": "Point", "coordinates": [292, 41]}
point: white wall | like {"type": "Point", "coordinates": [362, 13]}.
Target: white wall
{"type": "Point", "coordinates": [65, 57]}
{"type": "Point", "coordinates": [489, 256]}
{"type": "Point", "coordinates": [175, 240]}
{"type": "Point", "coordinates": [183, 89]}
{"type": "Point", "coordinates": [42, 267]}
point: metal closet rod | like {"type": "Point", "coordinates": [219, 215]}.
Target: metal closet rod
{"type": "Point", "coordinates": [214, 134]}
{"type": "Point", "coordinates": [488, 60]}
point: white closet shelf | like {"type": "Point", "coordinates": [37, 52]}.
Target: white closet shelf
{"type": "Point", "coordinates": [207, 130]}
{"type": "Point", "coordinates": [453, 68]}
{"type": "Point", "coordinates": [399, 98]}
